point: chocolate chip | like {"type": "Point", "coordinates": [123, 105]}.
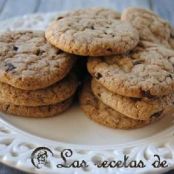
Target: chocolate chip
{"type": "Point", "coordinates": [169, 75]}
{"type": "Point", "coordinates": [29, 32]}
{"type": "Point", "coordinates": [9, 67]}
{"type": "Point", "coordinates": [59, 51]}
{"type": "Point", "coordinates": [99, 94]}
{"type": "Point", "coordinates": [109, 49]}
{"type": "Point", "coordinates": [157, 114]}
{"type": "Point", "coordinates": [98, 76]}
{"type": "Point", "coordinates": [7, 107]}
{"type": "Point", "coordinates": [147, 95]}
{"type": "Point", "coordinates": [92, 27]}
{"type": "Point", "coordinates": [138, 62]}
{"type": "Point", "coordinates": [136, 99]}
{"type": "Point", "coordinates": [39, 52]}
{"type": "Point", "coordinates": [60, 17]}
{"type": "Point", "coordinates": [15, 48]}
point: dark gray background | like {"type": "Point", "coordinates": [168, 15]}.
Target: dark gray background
{"type": "Point", "coordinates": [12, 8]}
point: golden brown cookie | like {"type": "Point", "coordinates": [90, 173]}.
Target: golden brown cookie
{"type": "Point", "coordinates": [102, 114]}
{"type": "Point", "coordinates": [29, 62]}
{"type": "Point", "coordinates": [36, 112]}
{"type": "Point", "coordinates": [56, 93]}
{"type": "Point", "coordinates": [150, 26]}
{"type": "Point", "coordinates": [92, 35]}
{"type": "Point", "coordinates": [135, 108]}
{"type": "Point", "coordinates": [147, 71]}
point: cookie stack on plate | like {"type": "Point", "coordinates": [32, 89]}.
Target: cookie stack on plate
{"type": "Point", "coordinates": [130, 59]}
{"type": "Point", "coordinates": [36, 79]}
{"type": "Point", "coordinates": [138, 85]}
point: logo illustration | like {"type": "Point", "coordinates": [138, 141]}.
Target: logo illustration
{"type": "Point", "coordinates": [40, 157]}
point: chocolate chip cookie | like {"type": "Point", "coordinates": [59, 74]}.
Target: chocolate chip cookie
{"type": "Point", "coordinates": [36, 112]}
{"type": "Point", "coordinates": [95, 35]}
{"type": "Point", "coordinates": [136, 108]}
{"type": "Point", "coordinates": [56, 93]}
{"type": "Point", "coordinates": [102, 114]}
{"type": "Point", "coordinates": [147, 71]}
{"type": "Point", "coordinates": [29, 62]}
{"type": "Point", "coordinates": [150, 26]}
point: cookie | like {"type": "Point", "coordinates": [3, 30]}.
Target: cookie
{"type": "Point", "coordinates": [94, 11]}
{"type": "Point", "coordinates": [92, 36]}
{"type": "Point", "coordinates": [150, 26]}
{"type": "Point", "coordinates": [56, 93]}
{"type": "Point", "coordinates": [36, 112]}
{"type": "Point", "coordinates": [135, 108]}
{"type": "Point", "coordinates": [102, 114]}
{"type": "Point", "coordinates": [147, 71]}
{"type": "Point", "coordinates": [29, 62]}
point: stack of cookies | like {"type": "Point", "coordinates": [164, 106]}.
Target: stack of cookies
{"type": "Point", "coordinates": [36, 79]}
{"type": "Point", "coordinates": [130, 59]}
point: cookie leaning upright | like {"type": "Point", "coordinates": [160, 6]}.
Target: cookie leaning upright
{"type": "Point", "coordinates": [150, 26]}
{"type": "Point", "coordinates": [92, 35]}
{"type": "Point", "coordinates": [29, 62]}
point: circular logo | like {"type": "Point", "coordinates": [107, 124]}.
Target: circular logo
{"type": "Point", "coordinates": [40, 157]}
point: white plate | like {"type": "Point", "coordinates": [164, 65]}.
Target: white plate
{"type": "Point", "coordinates": [88, 140]}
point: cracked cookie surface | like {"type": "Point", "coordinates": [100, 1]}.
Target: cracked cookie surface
{"type": "Point", "coordinates": [92, 36]}
{"type": "Point", "coordinates": [56, 93]}
{"type": "Point", "coordinates": [36, 112]}
{"type": "Point", "coordinates": [102, 114]}
{"type": "Point", "coordinates": [150, 26]}
{"type": "Point", "coordinates": [135, 108]}
{"type": "Point", "coordinates": [29, 62]}
{"type": "Point", "coordinates": [147, 71]}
